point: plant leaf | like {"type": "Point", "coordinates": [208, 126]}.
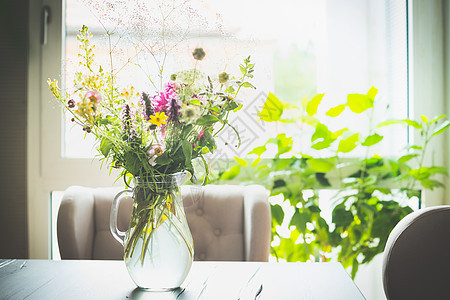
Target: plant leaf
{"type": "Point", "coordinates": [299, 220]}
{"type": "Point", "coordinates": [441, 128]}
{"type": "Point", "coordinates": [431, 184]}
{"type": "Point", "coordinates": [335, 111]}
{"type": "Point", "coordinates": [407, 157]}
{"type": "Point", "coordinates": [372, 93]}
{"type": "Point", "coordinates": [412, 123]}
{"type": "Point", "coordinates": [320, 165]}
{"type": "Point", "coordinates": [258, 150]}
{"type": "Point", "coordinates": [372, 140]}
{"type": "Point", "coordinates": [272, 109]}
{"type": "Point", "coordinates": [312, 106]}
{"type": "Point", "coordinates": [105, 146]}
{"type": "Point", "coordinates": [341, 217]}
{"type": "Point", "coordinates": [348, 144]}
{"type": "Point", "coordinates": [207, 120]}
{"type": "Point", "coordinates": [241, 161]}
{"type": "Point", "coordinates": [424, 119]}
{"type": "Point", "coordinates": [277, 213]}
{"type": "Point", "coordinates": [438, 118]}
{"type": "Point", "coordinates": [187, 151]}
{"type": "Point", "coordinates": [359, 102]}
{"type": "Point", "coordinates": [321, 132]}
{"type": "Point", "coordinates": [389, 122]}
{"type": "Point", "coordinates": [231, 173]}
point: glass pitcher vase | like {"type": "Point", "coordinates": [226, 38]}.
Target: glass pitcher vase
{"type": "Point", "coordinates": [158, 245]}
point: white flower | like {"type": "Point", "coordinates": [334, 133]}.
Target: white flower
{"type": "Point", "coordinates": [189, 113]}
{"type": "Point", "coordinates": [154, 151]}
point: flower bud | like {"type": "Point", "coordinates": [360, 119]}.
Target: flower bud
{"type": "Point", "coordinates": [223, 77]}
{"type": "Point", "coordinates": [198, 53]}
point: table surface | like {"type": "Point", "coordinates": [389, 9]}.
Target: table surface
{"type": "Point", "coordinates": [95, 279]}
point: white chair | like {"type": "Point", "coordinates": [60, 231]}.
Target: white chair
{"type": "Point", "coordinates": [227, 222]}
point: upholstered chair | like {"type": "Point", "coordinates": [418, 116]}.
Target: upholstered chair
{"type": "Point", "coordinates": [416, 262]}
{"type": "Point", "coordinates": [227, 222]}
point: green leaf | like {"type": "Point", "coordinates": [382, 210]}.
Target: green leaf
{"type": "Point", "coordinates": [438, 170]}
{"type": "Point", "coordinates": [407, 157]}
{"type": "Point", "coordinates": [389, 122]}
{"type": "Point", "coordinates": [195, 102]}
{"type": "Point", "coordinates": [372, 140]}
{"type": "Point", "coordinates": [163, 159]}
{"type": "Point", "coordinates": [338, 133]}
{"type": "Point", "coordinates": [348, 144]}
{"type": "Point", "coordinates": [322, 144]}
{"type": "Point", "coordinates": [231, 173]}
{"type": "Point", "coordinates": [104, 121]}
{"type": "Point", "coordinates": [359, 102]}
{"type": "Point", "coordinates": [256, 162]}
{"type": "Point", "coordinates": [355, 267]}
{"type": "Point", "coordinates": [412, 123]}
{"type": "Point", "coordinates": [341, 217]}
{"type": "Point", "coordinates": [322, 137]}
{"type": "Point", "coordinates": [312, 106]}
{"type": "Point", "coordinates": [277, 213]}
{"type": "Point", "coordinates": [322, 179]}
{"type": "Point", "coordinates": [321, 165]}
{"type": "Point", "coordinates": [272, 109]}
{"type": "Point", "coordinates": [321, 132]}
{"type": "Point", "coordinates": [232, 105]}
{"type": "Point", "coordinates": [207, 120]}
{"type": "Point", "coordinates": [437, 118]}
{"type": "Point", "coordinates": [284, 143]}
{"type": "Point", "coordinates": [186, 131]}
{"type": "Point", "coordinates": [105, 146]}
{"type": "Point", "coordinates": [187, 151]}
{"type": "Point", "coordinates": [299, 220]}
{"type": "Point", "coordinates": [420, 173]}
{"type": "Point", "coordinates": [209, 141]}
{"type": "Point", "coordinates": [248, 85]}
{"type": "Point", "coordinates": [431, 184]}
{"type": "Point", "coordinates": [132, 163]}
{"type": "Point", "coordinates": [372, 93]}
{"type": "Point", "coordinates": [335, 111]}
{"type": "Point", "coordinates": [424, 119]}
{"type": "Point", "coordinates": [241, 161]}
{"type": "Point", "coordinates": [441, 128]}
{"type": "Point", "coordinates": [334, 239]}
{"type": "Point", "coordinates": [243, 70]}
{"type": "Point", "coordinates": [258, 150]}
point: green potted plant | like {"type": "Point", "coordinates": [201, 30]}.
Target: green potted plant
{"type": "Point", "coordinates": [369, 191]}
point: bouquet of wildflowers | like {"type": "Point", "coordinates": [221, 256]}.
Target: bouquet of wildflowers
{"type": "Point", "coordinates": [151, 135]}
{"type": "Point", "coordinates": [148, 134]}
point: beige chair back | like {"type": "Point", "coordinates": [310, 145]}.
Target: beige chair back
{"type": "Point", "coordinates": [227, 222]}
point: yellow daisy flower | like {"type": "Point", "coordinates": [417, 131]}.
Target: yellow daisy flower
{"type": "Point", "coordinates": [158, 119]}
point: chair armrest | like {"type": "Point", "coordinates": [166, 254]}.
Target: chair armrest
{"type": "Point", "coordinates": [75, 224]}
{"type": "Point", "coordinates": [257, 220]}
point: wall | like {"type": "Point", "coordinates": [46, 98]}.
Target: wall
{"type": "Point", "coordinates": [13, 128]}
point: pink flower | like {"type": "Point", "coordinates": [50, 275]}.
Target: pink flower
{"type": "Point", "coordinates": [170, 85]}
{"type": "Point", "coordinates": [163, 100]}
{"type": "Point", "coordinates": [200, 134]}
{"type": "Point", "coordinates": [94, 96]}
{"type": "Point", "coordinates": [159, 102]}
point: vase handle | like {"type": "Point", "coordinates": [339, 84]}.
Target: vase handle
{"type": "Point", "coordinates": [118, 235]}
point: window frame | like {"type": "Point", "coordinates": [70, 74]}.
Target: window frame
{"type": "Point", "coordinates": [49, 171]}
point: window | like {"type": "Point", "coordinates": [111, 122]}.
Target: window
{"type": "Point", "coordinates": [300, 48]}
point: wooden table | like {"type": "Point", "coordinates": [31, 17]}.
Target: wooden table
{"type": "Point", "coordinates": [69, 279]}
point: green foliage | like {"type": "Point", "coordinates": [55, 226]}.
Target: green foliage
{"type": "Point", "coordinates": [366, 204]}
